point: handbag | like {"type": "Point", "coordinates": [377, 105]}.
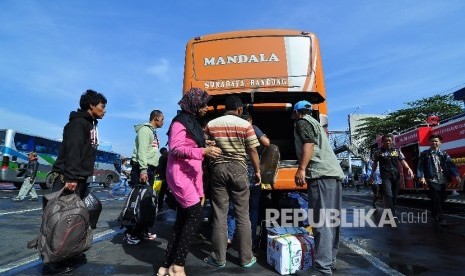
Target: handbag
{"type": "Point", "coordinates": [94, 207]}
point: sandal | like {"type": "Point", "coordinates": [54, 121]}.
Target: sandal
{"type": "Point", "coordinates": [209, 260]}
{"type": "Point", "coordinates": [251, 263]}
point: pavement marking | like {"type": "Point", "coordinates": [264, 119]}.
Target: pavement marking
{"type": "Point", "coordinates": [32, 260]}
{"type": "Point", "coordinates": [20, 211]}
{"type": "Point", "coordinates": [372, 259]}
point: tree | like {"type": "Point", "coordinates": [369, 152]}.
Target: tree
{"type": "Point", "coordinates": [443, 106]}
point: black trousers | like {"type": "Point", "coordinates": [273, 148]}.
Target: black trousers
{"type": "Point", "coordinates": [438, 197]}
{"type": "Point", "coordinates": [188, 222]}
{"type": "Point", "coordinates": [161, 193]}
{"type": "Point", "coordinates": [135, 173]}
{"type": "Point", "coordinates": [139, 231]}
{"type": "Point", "coordinates": [390, 189]}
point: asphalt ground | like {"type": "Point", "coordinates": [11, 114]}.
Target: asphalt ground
{"type": "Point", "coordinates": [409, 250]}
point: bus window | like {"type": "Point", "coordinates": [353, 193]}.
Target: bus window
{"type": "Point", "coordinates": [24, 142]}
{"type": "Point", "coordinates": [2, 137]}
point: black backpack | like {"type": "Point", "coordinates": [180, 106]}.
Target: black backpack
{"type": "Point", "coordinates": [140, 208]}
{"type": "Point", "coordinates": [65, 230]}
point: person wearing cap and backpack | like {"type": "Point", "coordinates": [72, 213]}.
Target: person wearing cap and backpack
{"type": "Point", "coordinates": [319, 169]}
{"type": "Point", "coordinates": [29, 178]}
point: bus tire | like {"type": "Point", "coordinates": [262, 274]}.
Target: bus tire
{"type": "Point", "coordinates": [108, 181]}
{"type": "Point", "coordinates": [18, 185]}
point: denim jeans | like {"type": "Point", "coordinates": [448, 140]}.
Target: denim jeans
{"type": "Point", "coordinates": [117, 186]}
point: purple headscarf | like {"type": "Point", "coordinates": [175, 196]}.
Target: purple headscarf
{"type": "Point", "coordinates": [193, 100]}
{"type": "Point", "coordinates": [190, 104]}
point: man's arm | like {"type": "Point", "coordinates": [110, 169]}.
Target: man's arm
{"type": "Point", "coordinates": [34, 170]}
{"type": "Point", "coordinates": [264, 140]}
{"type": "Point", "coordinates": [307, 154]}
{"type": "Point", "coordinates": [253, 154]}
{"type": "Point", "coordinates": [409, 171]}
{"type": "Point", "coordinates": [307, 135]}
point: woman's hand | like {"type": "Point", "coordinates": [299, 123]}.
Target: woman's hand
{"type": "Point", "coordinates": [212, 152]}
{"type": "Point", "coordinates": [202, 201]}
{"type": "Point", "coordinates": [210, 142]}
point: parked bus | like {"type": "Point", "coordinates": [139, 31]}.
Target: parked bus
{"type": "Point", "coordinates": [14, 147]}
{"type": "Point", "coordinates": [270, 70]}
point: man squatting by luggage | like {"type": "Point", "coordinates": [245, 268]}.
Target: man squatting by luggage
{"type": "Point", "coordinates": [144, 162]}
{"type": "Point", "coordinates": [320, 170]}
{"type": "Point", "coordinates": [29, 179]}
{"type": "Point", "coordinates": [75, 162]}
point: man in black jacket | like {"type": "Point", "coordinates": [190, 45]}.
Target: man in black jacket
{"type": "Point", "coordinates": [29, 178]}
{"type": "Point", "coordinates": [435, 170]}
{"type": "Point", "coordinates": [75, 162]}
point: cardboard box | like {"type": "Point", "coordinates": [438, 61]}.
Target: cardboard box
{"type": "Point", "coordinates": [279, 231]}
{"type": "Point", "coordinates": [289, 253]}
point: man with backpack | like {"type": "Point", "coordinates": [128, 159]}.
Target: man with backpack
{"type": "Point", "coordinates": [144, 162]}
{"type": "Point", "coordinates": [74, 164]}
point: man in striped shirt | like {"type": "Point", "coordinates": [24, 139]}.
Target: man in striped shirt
{"type": "Point", "coordinates": [236, 139]}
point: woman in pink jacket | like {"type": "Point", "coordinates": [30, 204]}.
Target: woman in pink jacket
{"type": "Point", "coordinates": [187, 149]}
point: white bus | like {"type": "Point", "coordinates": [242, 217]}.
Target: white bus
{"type": "Point", "coordinates": [14, 147]}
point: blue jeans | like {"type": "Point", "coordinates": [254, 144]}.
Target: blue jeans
{"type": "Point", "coordinates": [254, 202]}
{"type": "Point", "coordinates": [118, 186]}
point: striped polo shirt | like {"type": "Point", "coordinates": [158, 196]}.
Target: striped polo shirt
{"type": "Point", "coordinates": [232, 135]}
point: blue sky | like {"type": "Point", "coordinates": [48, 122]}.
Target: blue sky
{"type": "Point", "coordinates": [376, 55]}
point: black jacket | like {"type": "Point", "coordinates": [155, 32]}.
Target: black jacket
{"type": "Point", "coordinates": [426, 165]}
{"type": "Point", "coordinates": [78, 149]}
{"type": "Point", "coordinates": [31, 169]}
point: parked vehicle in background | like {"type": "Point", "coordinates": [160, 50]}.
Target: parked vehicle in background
{"type": "Point", "coordinates": [270, 70]}
{"type": "Point", "coordinates": [14, 147]}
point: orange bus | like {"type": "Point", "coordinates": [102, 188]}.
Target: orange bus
{"type": "Point", "coordinates": [270, 70]}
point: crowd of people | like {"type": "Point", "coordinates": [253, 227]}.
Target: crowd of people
{"type": "Point", "coordinates": [223, 157]}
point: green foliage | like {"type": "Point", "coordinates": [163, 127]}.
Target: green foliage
{"type": "Point", "coordinates": [443, 106]}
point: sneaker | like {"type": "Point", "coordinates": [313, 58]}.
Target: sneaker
{"type": "Point", "coordinates": [150, 236]}
{"type": "Point", "coordinates": [130, 240]}
{"type": "Point", "coordinates": [33, 199]}
{"type": "Point", "coordinates": [251, 263]}
{"type": "Point", "coordinates": [17, 199]}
